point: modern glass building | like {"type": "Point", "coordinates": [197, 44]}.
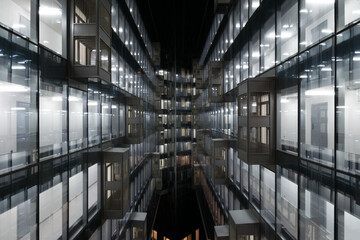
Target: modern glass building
{"type": "Point", "coordinates": [265, 128]}
{"type": "Point", "coordinates": [77, 119]}
{"type": "Point", "coordinates": [280, 78]}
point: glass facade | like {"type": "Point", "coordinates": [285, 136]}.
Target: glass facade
{"type": "Point", "coordinates": [73, 84]}
{"type": "Point", "coordinates": [63, 88]}
{"type": "Point", "coordinates": [309, 50]}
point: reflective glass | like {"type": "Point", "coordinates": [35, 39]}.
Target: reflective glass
{"type": "Point", "coordinates": [348, 217]}
{"type": "Point", "coordinates": [77, 120]}
{"type": "Point", "coordinates": [52, 32]}
{"type": "Point", "coordinates": [85, 12]}
{"type": "Point", "coordinates": [267, 46]}
{"type": "Point", "coordinates": [94, 116]}
{"type": "Point", "coordinates": [105, 18]}
{"type": "Point", "coordinates": [255, 186]}
{"type": "Point", "coordinates": [105, 56]}
{"type": "Point", "coordinates": [236, 20]}
{"type": "Point", "coordinates": [268, 196]}
{"type": "Point", "coordinates": [348, 12]}
{"type": "Point", "coordinates": [77, 183]}
{"type": "Point", "coordinates": [53, 199]}
{"type": "Point", "coordinates": [244, 13]}
{"type": "Point", "coordinates": [18, 103]}
{"type": "Point", "coordinates": [254, 4]}
{"type": "Point", "coordinates": [20, 16]}
{"type": "Point", "coordinates": [115, 16]}
{"type": "Point", "coordinates": [94, 181]}
{"type": "Point", "coordinates": [244, 63]}
{"type": "Point", "coordinates": [317, 103]}
{"type": "Point", "coordinates": [106, 114]}
{"type": "Point", "coordinates": [316, 202]}
{"type": "Point", "coordinates": [53, 106]}
{"type": "Point", "coordinates": [114, 67]}
{"type": "Point", "coordinates": [287, 29]}
{"type": "Point", "coordinates": [287, 106]}
{"type": "Point", "coordinates": [348, 93]}
{"type": "Point", "coordinates": [85, 51]}
{"type": "Point", "coordinates": [254, 55]}
{"type": "Point", "coordinates": [316, 21]}
{"type": "Point", "coordinates": [287, 200]}
{"type": "Point", "coordinates": [18, 205]}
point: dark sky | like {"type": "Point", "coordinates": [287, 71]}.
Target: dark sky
{"type": "Point", "coordinates": [188, 20]}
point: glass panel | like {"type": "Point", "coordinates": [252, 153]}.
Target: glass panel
{"type": "Point", "coordinates": [94, 181]}
{"type": "Point", "coordinates": [122, 74]}
{"type": "Point", "coordinates": [18, 201]}
{"type": "Point", "coordinates": [259, 140]}
{"type": "Point", "coordinates": [20, 16]}
{"type": "Point", "coordinates": [77, 120]}
{"type": "Point", "coordinates": [316, 202]}
{"type": "Point", "coordinates": [104, 56]}
{"type": "Point", "coordinates": [114, 68]}
{"type": "Point", "coordinates": [268, 196]}
{"type": "Point", "coordinates": [85, 12]}
{"type": "Point", "coordinates": [85, 51]}
{"type": "Point", "coordinates": [94, 108]}
{"type": "Point", "coordinates": [236, 20]}
{"type": "Point", "coordinates": [255, 186]}
{"type": "Point", "coordinates": [106, 116]}
{"type": "Point", "coordinates": [348, 217]}
{"type": "Point", "coordinates": [348, 12]}
{"type": "Point", "coordinates": [244, 64]}
{"type": "Point", "coordinates": [244, 15]}
{"type": "Point", "coordinates": [317, 103]}
{"type": "Point", "coordinates": [259, 104]}
{"type": "Point", "coordinates": [122, 120]}
{"type": "Point", "coordinates": [316, 21]}
{"type": "Point", "coordinates": [115, 16]}
{"type": "Point", "coordinates": [104, 16]}
{"type": "Point", "coordinates": [287, 106]}
{"type": "Point", "coordinates": [287, 200]}
{"type": "Point", "coordinates": [348, 109]}
{"type": "Point", "coordinates": [77, 183]}
{"type": "Point", "coordinates": [52, 32]}
{"type": "Point", "coordinates": [254, 4]}
{"type": "Point", "coordinates": [267, 46]}
{"type": "Point", "coordinates": [18, 103]}
{"type": "Point", "coordinates": [254, 55]}
{"type": "Point", "coordinates": [53, 105]}
{"type": "Point", "coordinates": [53, 199]}
{"type": "Point", "coordinates": [287, 29]}
{"type": "Point", "coordinates": [115, 120]}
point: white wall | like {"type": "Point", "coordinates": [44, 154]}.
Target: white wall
{"type": "Point", "coordinates": [93, 173]}
{"type": "Point", "coordinates": [352, 9]}
{"type": "Point", "coordinates": [50, 37]}
{"type": "Point", "coordinates": [50, 118]}
{"type": "Point", "coordinates": [76, 115]}
{"type": "Point", "coordinates": [352, 126]}
{"type": "Point", "coordinates": [51, 212]}
{"type": "Point", "coordinates": [8, 115]}
{"type": "Point", "coordinates": [351, 227]}
{"type": "Point", "coordinates": [75, 197]}
{"type": "Point", "coordinates": [10, 15]}
{"type": "Point", "coordinates": [289, 191]}
{"type": "Point", "coordinates": [288, 127]}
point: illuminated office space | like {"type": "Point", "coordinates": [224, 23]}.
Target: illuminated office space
{"type": "Point", "coordinates": [102, 136]}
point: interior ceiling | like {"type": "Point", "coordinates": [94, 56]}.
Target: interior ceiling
{"type": "Point", "coordinates": [187, 21]}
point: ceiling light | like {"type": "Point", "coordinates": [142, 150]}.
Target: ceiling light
{"type": "Point", "coordinates": [49, 11]}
